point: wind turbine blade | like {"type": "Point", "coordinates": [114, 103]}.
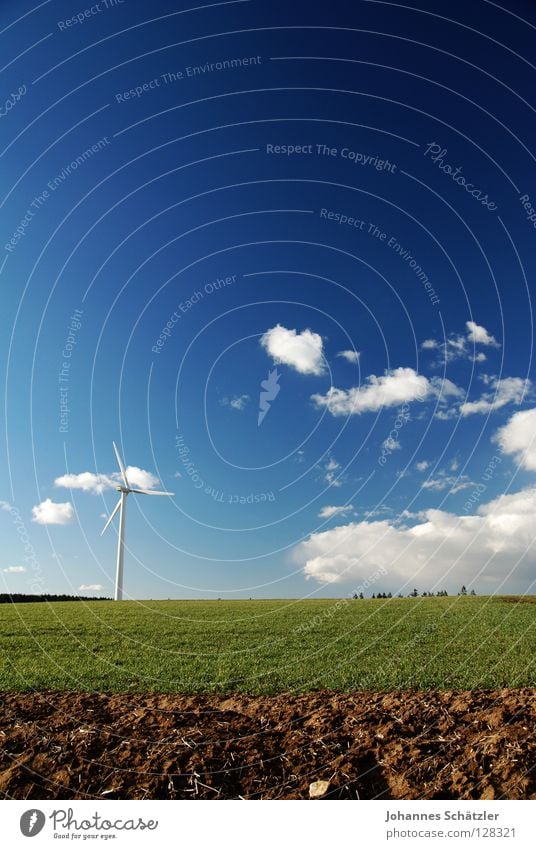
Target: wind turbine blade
{"type": "Point", "coordinates": [112, 514]}
{"type": "Point", "coordinates": [151, 492]}
{"type": "Point", "coordinates": [121, 465]}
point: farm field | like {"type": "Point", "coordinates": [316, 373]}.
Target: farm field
{"type": "Point", "coordinates": [367, 745]}
{"type": "Point", "coordinates": [264, 647]}
{"type": "Point", "coordinates": [384, 699]}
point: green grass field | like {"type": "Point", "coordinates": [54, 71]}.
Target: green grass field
{"type": "Point", "coordinates": [269, 646]}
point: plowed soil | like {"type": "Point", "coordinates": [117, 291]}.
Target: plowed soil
{"type": "Point", "coordinates": [402, 745]}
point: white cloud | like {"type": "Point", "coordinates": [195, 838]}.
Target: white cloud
{"type": "Point", "coordinates": [240, 402]}
{"type": "Point", "coordinates": [350, 356]}
{"type": "Point", "coordinates": [5, 505]}
{"type": "Point", "coordinates": [462, 347]}
{"type": "Point", "coordinates": [301, 351]}
{"type": "Point", "coordinates": [518, 437]}
{"type": "Point", "coordinates": [53, 513]}
{"type": "Point", "coordinates": [452, 349]}
{"type": "Point", "coordinates": [86, 481]}
{"type": "Point", "coordinates": [479, 335]}
{"type": "Point", "coordinates": [451, 482]}
{"type": "Point", "coordinates": [141, 478]}
{"type": "Point", "coordinates": [331, 470]}
{"type": "Point", "coordinates": [443, 388]}
{"type": "Point", "coordinates": [15, 569]}
{"type": "Point", "coordinates": [391, 389]}
{"type": "Point", "coordinates": [446, 415]}
{"type": "Point", "coordinates": [456, 346]}
{"type": "Point", "coordinates": [422, 465]}
{"type": "Point", "coordinates": [391, 444]}
{"type": "Point", "coordinates": [90, 587]}
{"type": "Point", "coordinates": [439, 548]}
{"type": "Point", "coordinates": [508, 390]}
{"type": "Point", "coordinates": [409, 514]}
{"type": "Point", "coordinates": [97, 483]}
{"type": "Point", "coordinates": [329, 511]}
{"type": "Point", "coordinates": [380, 510]}
{"type": "Point", "coordinates": [236, 402]}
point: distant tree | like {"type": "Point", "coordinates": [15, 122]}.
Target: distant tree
{"type": "Point", "coordinates": [355, 595]}
{"type": "Point", "coordinates": [414, 593]}
{"type": "Point", "coordinates": [463, 590]}
{"type": "Point", "coordinates": [472, 592]}
{"type": "Point", "coordinates": [373, 596]}
{"type": "Point", "coordinates": [389, 595]}
{"type": "Point", "coordinates": [361, 595]}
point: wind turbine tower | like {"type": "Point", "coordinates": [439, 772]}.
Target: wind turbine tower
{"type": "Point", "coordinates": [121, 506]}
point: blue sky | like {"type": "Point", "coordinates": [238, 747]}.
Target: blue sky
{"type": "Point", "coordinates": [193, 199]}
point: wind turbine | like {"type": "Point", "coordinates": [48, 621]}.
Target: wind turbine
{"type": "Point", "coordinates": [121, 506]}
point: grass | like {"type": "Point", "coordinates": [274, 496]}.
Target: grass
{"type": "Point", "coordinates": [268, 646]}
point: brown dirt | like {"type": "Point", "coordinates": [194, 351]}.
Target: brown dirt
{"type": "Point", "coordinates": [406, 745]}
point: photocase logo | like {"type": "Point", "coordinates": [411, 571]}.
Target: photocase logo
{"type": "Point", "coordinates": [32, 822]}
{"type": "Point", "coordinates": [271, 389]}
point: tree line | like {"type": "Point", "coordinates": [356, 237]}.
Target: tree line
{"type": "Point", "coordinates": [24, 598]}
{"type": "Point", "coordinates": [416, 594]}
